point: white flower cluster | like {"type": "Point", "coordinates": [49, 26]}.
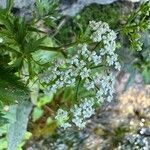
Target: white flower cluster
{"type": "Point", "coordinates": [104, 85]}
{"type": "Point", "coordinates": [85, 66]}
{"type": "Point", "coordinates": [80, 114]}
{"type": "Point", "coordinates": [62, 117]}
{"type": "Point", "coordinates": [102, 33]}
{"type": "Point", "coordinates": [135, 142]}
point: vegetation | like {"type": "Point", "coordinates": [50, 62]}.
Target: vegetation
{"type": "Point", "coordinates": [57, 71]}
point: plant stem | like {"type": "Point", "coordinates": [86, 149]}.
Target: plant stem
{"type": "Point", "coordinates": [54, 49]}
{"type": "Point", "coordinates": [97, 66]}
{"type": "Point", "coordinates": [77, 90]}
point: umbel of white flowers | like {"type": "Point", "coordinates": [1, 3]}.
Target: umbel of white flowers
{"type": "Point", "coordinates": [81, 66]}
{"type": "Point", "coordinates": [136, 141]}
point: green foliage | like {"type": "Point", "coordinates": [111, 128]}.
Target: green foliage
{"type": "Point", "coordinates": [37, 113]}
{"type": "Point", "coordinates": [20, 39]}
{"type": "Point", "coordinates": [138, 21]}
{"type": "Point", "coordinates": [138, 61]}
{"type": "Point", "coordinates": [38, 109]}
{"type": "Point", "coordinates": [72, 27]}
{"type": "Point", "coordinates": [110, 13]}
{"type": "Point", "coordinates": [119, 134]}
{"type": "Point", "coordinates": [47, 11]}
{"type": "Point", "coordinates": [2, 119]}
{"type": "Point", "coordinates": [142, 63]}
{"type": "Point", "coordinates": [18, 128]}
{"type": "Point", "coordinates": [23, 46]}
{"type": "Point", "coordinates": [11, 89]}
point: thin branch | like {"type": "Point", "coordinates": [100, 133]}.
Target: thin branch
{"type": "Point", "coordinates": [99, 66]}
{"type": "Point", "coordinates": [77, 89]}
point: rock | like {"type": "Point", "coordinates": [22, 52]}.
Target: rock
{"type": "Point", "coordinates": [23, 3]}
{"type": "Point", "coordinates": [18, 3]}
{"type": "Point", "coordinates": [21, 7]}
{"type": "Point", "coordinates": [67, 7]}
{"type": "Point", "coordinates": [80, 4]}
{"type": "Point", "coordinates": [3, 3]}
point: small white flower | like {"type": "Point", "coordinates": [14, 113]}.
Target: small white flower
{"type": "Point", "coordinates": [82, 112]}
{"type": "Point", "coordinates": [142, 131]}
{"type": "Point", "coordinates": [61, 114]}
{"type": "Point", "coordinates": [89, 84]}
{"type": "Point", "coordinates": [84, 73]}
{"type": "Point", "coordinates": [142, 120]}
{"type": "Point", "coordinates": [141, 124]}
{"type": "Point", "coordinates": [109, 98]}
{"type": "Point", "coordinates": [62, 117]}
{"type": "Point", "coordinates": [117, 66]}
{"type": "Point", "coordinates": [99, 94]}
{"type": "Point", "coordinates": [65, 125]}
{"type": "Point", "coordinates": [96, 59]}
{"type": "Point", "coordinates": [110, 60]}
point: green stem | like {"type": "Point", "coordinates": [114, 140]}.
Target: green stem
{"type": "Point", "coordinates": [77, 90]}
{"type": "Point", "coordinates": [94, 67]}
{"type": "Point", "coordinates": [54, 49]}
{"type": "Point", "coordinates": [58, 49]}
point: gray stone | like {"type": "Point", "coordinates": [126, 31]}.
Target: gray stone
{"type": "Point", "coordinates": [68, 7]}
{"type": "Point", "coordinates": [80, 4]}
{"type": "Point", "coordinates": [3, 3]}
{"type": "Point", "coordinates": [23, 3]}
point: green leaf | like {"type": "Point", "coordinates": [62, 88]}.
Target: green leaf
{"type": "Point", "coordinates": [44, 100]}
{"type": "Point", "coordinates": [39, 7]}
{"type": "Point", "coordinates": [6, 21]}
{"type": "Point", "coordinates": [9, 5]}
{"type": "Point", "coordinates": [33, 29]}
{"type": "Point", "coordinates": [4, 59]}
{"type": "Point", "coordinates": [3, 143]}
{"type": "Point", "coordinates": [34, 44]}
{"type": "Point", "coordinates": [46, 7]}
{"type": "Point", "coordinates": [37, 113]}
{"type": "Point", "coordinates": [11, 89]}
{"type": "Point", "coordinates": [18, 128]}
{"type": "Point", "coordinates": [2, 119]}
{"type": "Point", "coordinates": [146, 75]}
{"type": "Point", "coordinates": [68, 94]}
{"type": "Point", "coordinates": [20, 30]}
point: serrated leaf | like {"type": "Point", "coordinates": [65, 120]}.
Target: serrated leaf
{"type": "Point", "coordinates": [7, 22]}
{"type": "Point", "coordinates": [18, 128]}
{"type": "Point", "coordinates": [11, 89]}
{"type": "Point", "coordinates": [33, 44]}
{"type": "Point", "coordinates": [20, 30]}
